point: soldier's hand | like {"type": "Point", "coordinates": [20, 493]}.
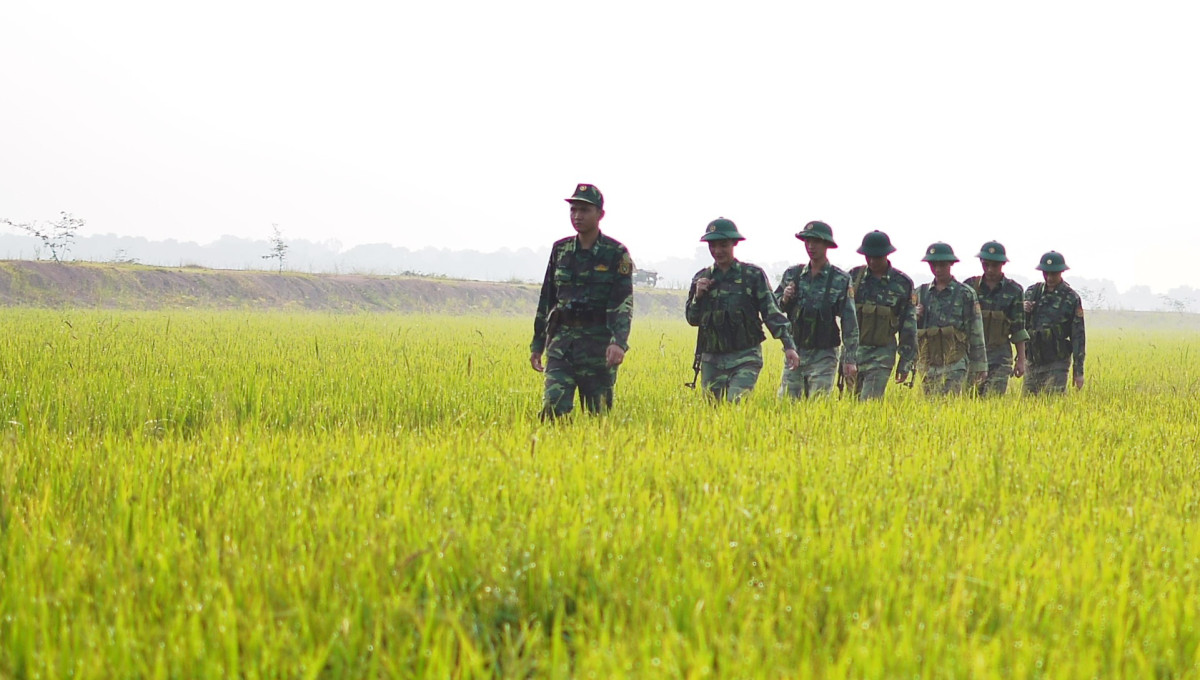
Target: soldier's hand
{"type": "Point", "coordinates": [702, 286]}
{"type": "Point", "coordinates": [1019, 368]}
{"type": "Point", "coordinates": [789, 292]}
{"type": "Point", "coordinates": [614, 356]}
{"type": "Point", "coordinates": [901, 376]}
{"type": "Point", "coordinates": [1079, 382]}
{"type": "Point", "coordinates": [850, 371]}
{"type": "Point", "coordinates": [1028, 304]}
{"type": "Point", "coordinates": [535, 360]}
{"type": "Point", "coordinates": [978, 377]}
{"type": "Point", "coordinates": [920, 310]}
{"type": "Point", "coordinates": [791, 359]}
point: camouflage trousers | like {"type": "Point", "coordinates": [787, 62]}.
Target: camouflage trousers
{"type": "Point", "coordinates": [575, 359]}
{"type": "Point", "coordinates": [1051, 377]}
{"type": "Point", "coordinates": [1000, 368]}
{"type": "Point", "coordinates": [874, 371]}
{"type": "Point", "coordinates": [815, 375]}
{"type": "Point", "coordinates": [729, 376]}
{"type": "Point", "coordinates": [948, 379]}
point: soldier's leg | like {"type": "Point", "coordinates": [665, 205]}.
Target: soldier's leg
{"type": "Point", "coordinates": [934, 381]}
{"type": "Point", "coordinates": [1056, 376]}
{"type": "Point", "coordinates": [872, 384]}
{"type": "Point", "coordinates": [955, 380]}
{"type": "Point", "coordinates": [594, 377]}
{"type": "Point", "coordinates": [793, 383]}
{"type": "Point", "coordinates": [1035, 378]}
{"type": "Point", "coordinates": [996, 383]}
{"type": "Point", "coordinates": [558, 392]}
{"type": "Point", "coordinates": [743, 377]}
{"type": "Point", "coordinates": [714, 380]}
{"type": "Point", "coordinates": [822, 372]}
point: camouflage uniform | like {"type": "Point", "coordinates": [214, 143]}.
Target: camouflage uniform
{"type": "Point", "coordinates": [813, 313]}
{"type": "Point", "coordinates": [1003, 326]}
{"type": "Point", "coordinates": [730, 316]}
{"type": "Point", "coordinates": [951, 322]}
{"type": "Point", "coordinates": [1056, 336]}
{"type": "Point", "coordinates": [892, 298]}
{"type": "Point", "coordinates": [586, 305]}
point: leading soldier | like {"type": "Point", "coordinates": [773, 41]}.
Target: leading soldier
{"type": "Point", "coordinates": [1000, 300]}
{"type": "Point", "coordinates": [584, 313]}
{"type": "Point", "coordinates": [813, 296]}
{"type": "Point", "coordinates": [886, 305]}
{"type": "Point", "coordinates": [730, 301]}
{"type": "Point", "coordinates": [949, 328]}
{"type": "Point", "coordinates": [1056, 334]}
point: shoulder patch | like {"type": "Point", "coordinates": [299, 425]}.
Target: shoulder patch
{"type": "Point", "coordinates": [915, 301]}
{"type": "Point", "coordinates": [626, 265]}
{"type": "Point", "coordinates": [850, 291]}
{"type": "Point", "coordinates": [1079, 311]}
{"type": "Point", "coordinates": [978, 310]}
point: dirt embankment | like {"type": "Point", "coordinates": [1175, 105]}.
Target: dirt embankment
{"type": "Point", "coordinates": [119, 286]}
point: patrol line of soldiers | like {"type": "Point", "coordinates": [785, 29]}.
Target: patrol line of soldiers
{"type": "Point", "coordinates": [853, 327]}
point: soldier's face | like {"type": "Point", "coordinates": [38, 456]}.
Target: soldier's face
{"type": "Point", "coordinates": [877, 265]}
{"type": "Point", "coordinates": [585, 217]}
{"type": "Point", "coordinates": [816, 249]}
{"type": "Point", "coordinates": [992, 271]}
{"type": "Point", "coordinates": [721, 251]}
{"type": "Point", "coordinates": [941, 271]}
{"type": "Point", "coordinates": [1052, 279]}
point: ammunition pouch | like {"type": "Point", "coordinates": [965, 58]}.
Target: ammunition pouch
{"type": "Point", "coordinates": [877, 325]}
{"type": "Point", "coordinates": [1048, 345]}
{"type": "Point", "coordinates": [730, 330]}
{"type": "Point", "coordinates": [995, 327]}
{"type": "Point", "coordinates": [941, 346]}
{"type": "Point", "coordinates": [816, 329]}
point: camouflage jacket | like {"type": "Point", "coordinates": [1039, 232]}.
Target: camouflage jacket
{"type": "Point", "coordinates": [1005, 298]}
{"type": "Point", "coordinates": [955, 306]}
{"type": "Point", "coordinates": [817, 305]}
{"type": "Point", "coordinates": [740, 298]}
{"type": "Point", "coordinates": [594, 281]}
{"type": "Point", "coordinates": [893, 290]}
{"type": "Point", "coordinates": [1057, 315]}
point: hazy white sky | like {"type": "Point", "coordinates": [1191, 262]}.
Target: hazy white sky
{"type": "Point", "coordinates": [1047, 125]}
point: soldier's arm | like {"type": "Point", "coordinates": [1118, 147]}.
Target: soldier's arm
{"type": "Point", "coordinates": [1016, 321]}
{"type": "Point", "coordinates": [620, 301]}
{"type": "Point", "coordinates": [907, 310]}
{"type": "Point", "coordinates": [976, 349]}
{"type": "Point", "coordinates": [849, 327]}
{"type": "Point", "coordinates": [545, 303]}
{"type": "Point", "coordinates": [691, 310]}
{"type": "Point", "coordinates": [774, 318]}
{"type": "Point", "coordinates": [783, 283]}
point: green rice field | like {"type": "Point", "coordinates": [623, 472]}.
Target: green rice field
{"type": "Point", "coordinates": [190, 494]}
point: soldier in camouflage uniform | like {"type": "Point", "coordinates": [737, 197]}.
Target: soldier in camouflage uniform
{"type": "Point", "coordinates": [584, 313]}
{"type": "Point", "coordinates": [1056, 334]}
{"type": "Point", "coordinates": [886, 305]}
{"type": "Point", "coordinates": [1000, 300]}
{"type": "Point", "coordinates": [813, 296]}
{"type": "Point", "coordinates": [730, 301]}
{"type": "Point", "coordinates": [949, 328]}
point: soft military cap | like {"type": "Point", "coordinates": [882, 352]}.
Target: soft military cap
{"type": "Point", "coordinates": [939, 252]}
{"type": "Point", "coordinates": [992, 251]}
{"type": "Point", "coordinates": [876, 244]}
{"type": "Point", "coordinates": [722, 229]}
{"type": "Point", "coordinates": [817, 230]}
{"type": "Point", "coordinates": [1052, 261]}
{"type": "Point", "coordinates": [588, 193]}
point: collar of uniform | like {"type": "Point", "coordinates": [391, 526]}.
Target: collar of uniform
{"type": "Point", "coordinates": [807, 268]}
{"type": "Point", "coordinates": [734, 269]}
{"type": "Point", "coordinates": [579, 246]}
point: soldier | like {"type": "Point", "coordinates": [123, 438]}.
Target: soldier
{"type": "Point", "coordinates": [813, 296]}
{"type": "Point", "coordinates": [1003, 319]}
{"type": "Point", "coordinates": [730, 301]}
{"type": "Point", "coordinates": [1056, 334]}
{"type": "Point", "coordinates": [949, 328]}
{"type": "Point", "coordinates": [886, 305]}
{"type": "Point", "coordinates": [584, 313]}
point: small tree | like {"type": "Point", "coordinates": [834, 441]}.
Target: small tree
{"type": "Point", "coordinates": [278, 247]}
{"type": "Point", "coordinates": [56, 236]}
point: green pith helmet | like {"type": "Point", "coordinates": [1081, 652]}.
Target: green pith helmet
{"type": "Point", "coordinates": [817, 230]}
{"type": "Point", "coordinates": [588, 193]}
{"type": "Point", "coordinates": [939, 252]}
{"type": "Point", "coordinates": [722, 229]}
{"type": "Point", "coordinates": [876, 244]}
{"type": "Point", "coordinates": [992, 251]}
{"type": "Point", "coordinates": [1052, 261]}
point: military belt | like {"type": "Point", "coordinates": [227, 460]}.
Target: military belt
{"type": "Point", "coordinates": [574, 318]}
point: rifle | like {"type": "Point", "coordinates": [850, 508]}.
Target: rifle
{"type": "Point", "coordinates": [696, 358]}
{"type": "Point", "coordinates": [841, 378]}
